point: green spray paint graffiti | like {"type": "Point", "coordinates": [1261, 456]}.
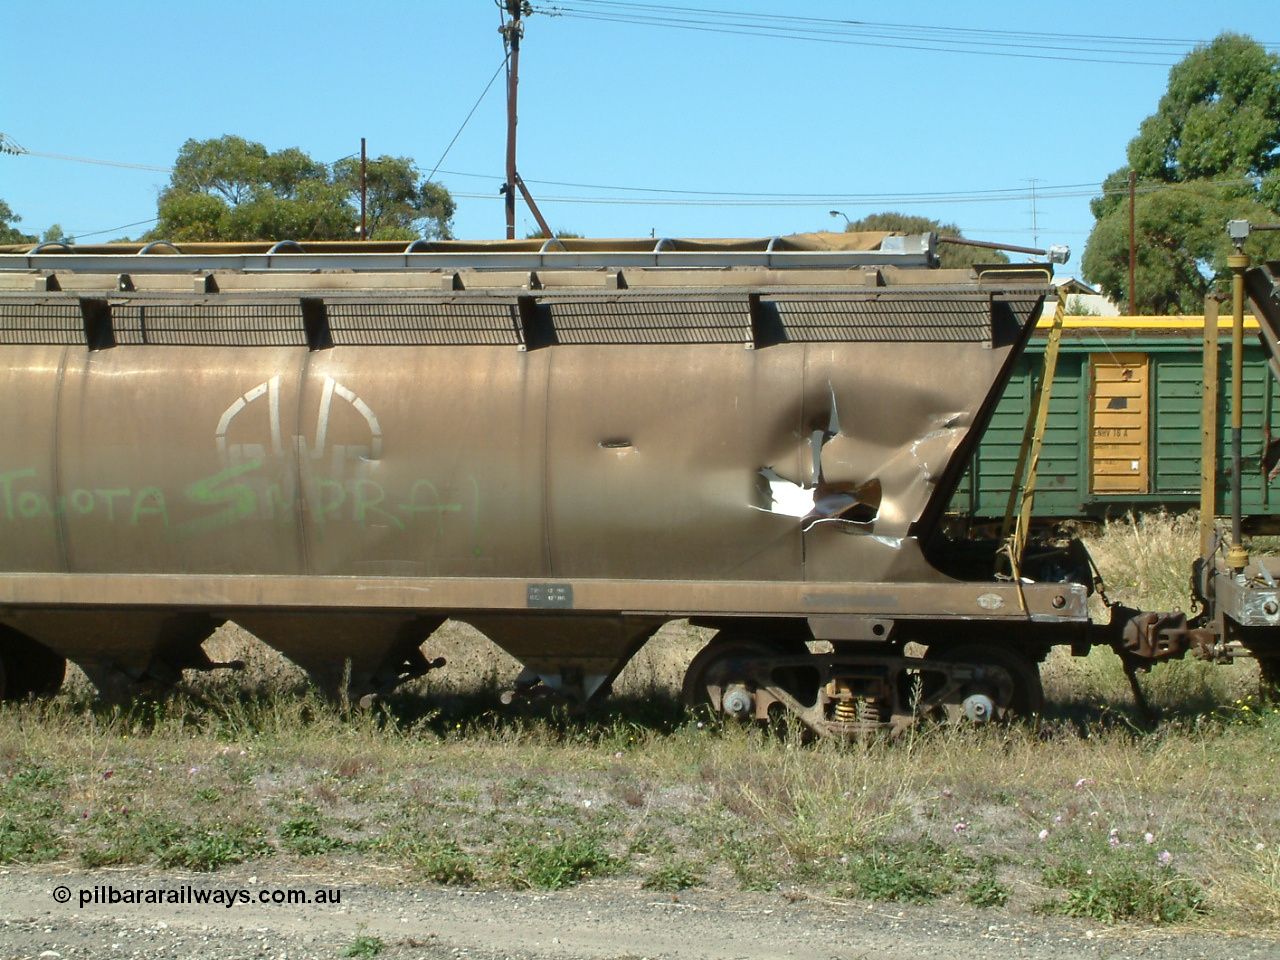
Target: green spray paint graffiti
{"type": "Point", "coordinates": [19, 504]}
{"type": "Point", "coordinates": [241, 502]}
{"type": "Point", "coordinates": [241, 494]}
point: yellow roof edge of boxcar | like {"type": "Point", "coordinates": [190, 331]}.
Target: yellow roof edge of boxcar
{"type": "Point", "coordinates": [1187, 322]}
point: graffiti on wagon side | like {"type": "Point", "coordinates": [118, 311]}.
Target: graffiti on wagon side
{"type": "Point", "coordinates": [332, 474]}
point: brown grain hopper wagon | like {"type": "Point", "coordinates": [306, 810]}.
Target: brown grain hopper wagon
{"type": "Point", "coordinates": [565, 445]}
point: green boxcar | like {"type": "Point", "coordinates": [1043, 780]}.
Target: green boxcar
{"type": "Point", "coordinates": [1164, 468]}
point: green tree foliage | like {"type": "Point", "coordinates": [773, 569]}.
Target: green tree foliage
{"type": "Point", "coordinates": [1181, 246]}
{"type": "Point", "coordinates": [399, 203]}
{"type": "Point", "coordinates": [235, 169]}
{"type": "Point", "coordinates": [949, 254]}
{"type": "Point", "coordinates": [1210, 153]}
{"type": "Point", "coordinates": [8, 232]}
{"type": "Point", "coordinates": [11, 234]}
{"type": "Point", "coordinates": [234, 189]}
{"type": "Point", "coordinates": [539, 234]}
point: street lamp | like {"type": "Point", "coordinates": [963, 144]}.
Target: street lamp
{"type": "Point", "coordinates": [847, 221]}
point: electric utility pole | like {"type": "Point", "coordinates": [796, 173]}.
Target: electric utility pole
{"type": "Point", "coordinates": [512, 30]}
{"type": "Point", "coordinates": [1133, 248]}
{"type": "Point", "coordinates": [364, 186]}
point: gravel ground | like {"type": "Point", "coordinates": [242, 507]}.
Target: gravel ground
{"type": "Point", "coordinates": [605, 919]}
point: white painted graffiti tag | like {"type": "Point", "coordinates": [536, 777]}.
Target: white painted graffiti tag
{"type": "Point", "coordinates": [268, 393]}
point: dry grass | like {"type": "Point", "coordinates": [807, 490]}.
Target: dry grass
{"type": "Point", "coordinates": [1146, 560]}
{"type": "Point", "coordinates": [204, 781]}
{"type": "Point", "coordinates": [1146, 563]}
{"type": "Point", "coordinates": [472, 661]}
{"type": "Point", "coordinates": [447, 787]}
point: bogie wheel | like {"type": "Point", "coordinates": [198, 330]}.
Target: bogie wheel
{"type": "Point", "coordinates": [1012, 690]}
{"type": "Point", "coordinates": [28, 668]}
{"type": "Point", "coordinates": [720, 676]}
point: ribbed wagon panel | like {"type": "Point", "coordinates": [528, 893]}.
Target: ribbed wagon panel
{"type": "Point", "coordinates": [37, 322]}
{"type": "Point", "coordinates": [650, 320]}
{"type": "Point", "coordinates": [210, 324]}
{"type": "Point", "coordinates": [469, 322]}
{"type": "Point", "coordinates": [885, 320]}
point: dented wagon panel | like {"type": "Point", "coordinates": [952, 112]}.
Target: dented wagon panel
{"type": "Point", "coordinates": [700, 461]}
{"type": "Point", "coordinates": [339, 452]}
{"type": "Point", "coordinates": [890, 425]}
{"type": "Point", "coordinates": [662, 458]}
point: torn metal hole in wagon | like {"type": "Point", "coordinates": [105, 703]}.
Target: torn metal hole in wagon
{"type": "Point", "coordinates": [854, 506]}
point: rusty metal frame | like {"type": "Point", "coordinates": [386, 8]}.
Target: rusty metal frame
{"type": "Point", "coordinates": [1051, 602]}
{"type": "Point", "coordinates": [464, 260]}
{"type": "Point", "coordinates": [1209, 429]}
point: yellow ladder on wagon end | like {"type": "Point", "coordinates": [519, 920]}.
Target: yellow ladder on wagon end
{"type": "Point", "coordinates": [1017, 514]}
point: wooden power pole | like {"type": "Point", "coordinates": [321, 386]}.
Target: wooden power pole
{"type": "Point", "coordinates": [512, 30]}
{"type": "Point", "coordinates": [1133, 251]}
{"type": "Point", "coordinates": [364, 186]}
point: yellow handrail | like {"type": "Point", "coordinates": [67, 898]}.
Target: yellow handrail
{"type": "Point", "coordinates": [1017, 518]}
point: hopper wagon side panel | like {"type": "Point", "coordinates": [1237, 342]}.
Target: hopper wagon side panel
{"type": "Point", "coordinates": [340, 468]}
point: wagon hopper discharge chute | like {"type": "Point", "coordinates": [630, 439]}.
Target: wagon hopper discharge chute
{"type": "Point", "coordinates": [563, 444]}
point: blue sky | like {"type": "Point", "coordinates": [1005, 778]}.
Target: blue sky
{"type": "Point", "coordinates": [609, 104]}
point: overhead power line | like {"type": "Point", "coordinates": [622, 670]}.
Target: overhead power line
{"type": "Point", "coordinates": [833, 22]}
{"type": "Point", "coordinates": [755, 198]}
{"type": "Point", "coordinates": [80, 235]}
{"type": "Point", "coordinates": [1013, 193]}
{"type": "Point", "coordinates": [625, 195]}
{"type": "Point", "coordinates": [662, 196]}
{"type": "Point", "coordinates": [1079, 48]}
{"type": "Point", "coordinates": [881, 200]}
{"type": "Point", "coordinates": [474, 108]}
{"type": "Point", "coordinates": [11, 146]}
